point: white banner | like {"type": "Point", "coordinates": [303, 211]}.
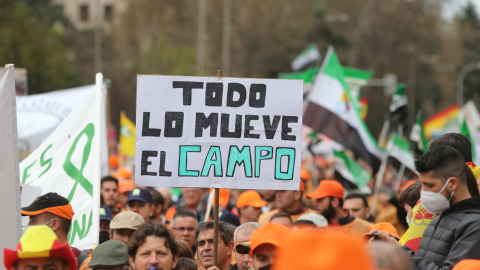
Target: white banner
{"type": "Point", "coordinates": [218, 132]}
{"type": "Point", "coordinates": [39, 115]}
{"type": "Point", "coordinates": [67, 163]}
{"type": "Point", "coordinates": [9, 172]}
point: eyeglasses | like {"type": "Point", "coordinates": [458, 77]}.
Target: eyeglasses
{"type": "Point", "coordinates": [242, 248]}
{"type": "Point", "coordinates": [181, 229]}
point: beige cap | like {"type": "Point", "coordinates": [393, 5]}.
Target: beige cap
{"type": "Point", "coordinates": [126, 220]}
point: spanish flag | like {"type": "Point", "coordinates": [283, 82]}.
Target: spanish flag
{"type": "Point", "coordinates": [127, 136]}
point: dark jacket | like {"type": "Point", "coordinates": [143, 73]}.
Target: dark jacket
{"type": "Point", "coordinates": [451, 237]}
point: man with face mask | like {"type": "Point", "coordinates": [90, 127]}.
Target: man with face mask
{"type": "Point", "coordinates": [455, 234]}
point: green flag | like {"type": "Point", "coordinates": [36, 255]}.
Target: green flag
{"type": "Point", "coordinates": [356, 79]}
{"type": "Point", "coordinates": [350, 169]}
{"type": "Point", "coordinates": [466, 131]}
{"type": "Point", "coordinates": [399, 149]}
{"type": "Point", "coordinates": [307, 76]}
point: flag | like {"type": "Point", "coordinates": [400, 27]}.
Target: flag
{"type": "Point", "coordinates": [398, 110]}
{"type": "Point", "coordinates": [351, 170]}
{"type": "Point", "coordinates": [68, 163]}
{"type": "Point", "coordinates": [442, 122]}
{"type": "Point", "coordinates": [127, 136]}
{"type": "Point", "coordinates": [399, 149]}
{"type": "Point", "coordinates": [356, 79]}
{"type": "Point", "coordinates": [465, 130]}
{"type": "Point", "coordinates": [308, 56]}
{"type": "Point", "coordinates": [417, 137]}
{"type": "Point", "coordinates": [330, 111]}
{"type": "Point", "coordinates": [307, 76]}
{"type": "Point", "coordinates": [39, 115]}
{"type": "Point", "coordinates": [9, 170]}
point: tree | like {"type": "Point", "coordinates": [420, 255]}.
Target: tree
{"type": "Point", "coordinates": [30, 40]}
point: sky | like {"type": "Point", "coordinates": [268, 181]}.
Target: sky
{"type": "Point", "coordinates": [454, 6]}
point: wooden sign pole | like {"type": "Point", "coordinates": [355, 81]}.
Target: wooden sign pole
{"type": "Point", "coordinates": [215, 215]}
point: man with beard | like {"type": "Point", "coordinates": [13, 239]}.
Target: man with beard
{"type": "Point", "coordinates": [329, 202]}
{"type": "Point", "coordinates": [204, 237]}
{"type": "Point", "coordinates": [153, 246]}
{"type": "Point", "coordinates": [290, 202]}
{"type": "Point", "coordinates": [268, 196]}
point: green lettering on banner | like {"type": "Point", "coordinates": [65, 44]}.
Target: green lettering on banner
{"type": "Point", "coordinates": [74, 172]}
{"type": "Point", "coordinates": [82, 230]}
{"type": "Point", "coordinates": [182, 163]}
{"type": "Point", "coordinates": [216, 163]}
{"type": "Point", "coordinates": [259, 157]}
{"type": "Point", "coordinates": [44, 162]}
{"type": "Point", "coordinates": [281, 152]}
{"type": "Point", "coordinates": [239, 157]}
{"type": "Point", "coordinates": [25, 172]}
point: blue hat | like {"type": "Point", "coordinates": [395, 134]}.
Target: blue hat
{"type": "Point", "coordinates": [229, 217]}
{"type": "Point", "coordinates": [140, 194]}
{"type": "Point", "coordinates": [105, 213]}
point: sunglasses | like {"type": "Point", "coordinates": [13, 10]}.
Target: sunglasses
{"type": "Point", "coordinates": [242, 248]}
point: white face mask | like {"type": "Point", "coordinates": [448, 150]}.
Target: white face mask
{"type": "Point", "coordinates": [435, 202]}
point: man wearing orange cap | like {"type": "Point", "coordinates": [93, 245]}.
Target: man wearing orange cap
{"type": "Point", "coordinates": [124, 188]}
{"type": "Point", "coordinates": [39, 248]}
{"type": "Point", "coordinates": [288, 201]}
{"type": "Point", "coordinates": [329, 202]}
{"type": "Point", "coordinates": [56, 212]}
{"type": "Point", "coordinates": [249, 205]}
{"type": "Point", "coordinates": [265, 242]}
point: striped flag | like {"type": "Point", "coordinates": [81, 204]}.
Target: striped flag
{"type": "Point", "coordinates": [330, 111]}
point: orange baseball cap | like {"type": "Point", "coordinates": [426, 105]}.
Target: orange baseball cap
{"type": "Point", "coordinates": [304, 174]}
{"type": "Point", "coordinates": [250, 198]}
{"type": "Point", "coordinates": [113, 161]}
{"type": "Point", "coordinates": [270, 233]}
{"type": "Point", "coordinates": [122, 173]}
{"type": "Point", "coordinates": [39, 242]}
{"type": "Point", "coordinates": [468, 264]}
{"type": "Point", "coordinates": [409, 183]}
{"type": "Point", "coordinates": [224, 196]}
{"type": "Point", "coordinates": [126, 185]}
{"type": "Point", "coordinates": [326, 250]}
{"type": "Point", "coordinates": [385, 227]}
{"type": "Point", "coordinates": [327, 188]}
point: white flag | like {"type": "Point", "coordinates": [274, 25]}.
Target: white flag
{"type": "Point", "coordinates": [68, 163]}
{"type": "Point", "coordinates": [10, 198]}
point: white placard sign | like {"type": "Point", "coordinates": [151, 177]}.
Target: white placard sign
{"type": "Point", "coordinates": [218, 132]}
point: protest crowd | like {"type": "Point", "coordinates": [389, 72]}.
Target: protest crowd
{"type": "Point", "coordinates": [223, 173]}
{"type": "Point", "coordinates": [430, 223]}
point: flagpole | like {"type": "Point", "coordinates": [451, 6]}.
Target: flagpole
{"type": "Point", "coordinates": [378, 183]}
{"type": "Point", "coordinates": [97, 159]}
{"type": "Point", "coordinates": [398, 180]}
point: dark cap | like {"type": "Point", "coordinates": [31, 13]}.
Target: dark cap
{"type": "Point", "coordinates": [108, 254]}
{"type": "Point", "coordinates": [105, 213]}
{"type": "Point", "coordinates": [51, 203]}
{"type": "Point", "coordinates": [140, 194]}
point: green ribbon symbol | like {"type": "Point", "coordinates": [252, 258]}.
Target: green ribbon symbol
{"type": "Point", "coordinates": [74, 172]}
